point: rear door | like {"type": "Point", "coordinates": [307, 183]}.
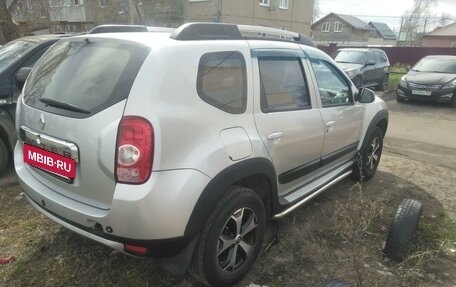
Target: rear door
{"type": "Point", "coordinates": [287, 118]}
{"type": "Point", "coordinates": [71, 106]}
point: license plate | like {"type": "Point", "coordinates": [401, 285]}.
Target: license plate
{"type": "Point", "coordinates": [49, 161]}
{"type": "Point", "coordinates": [421, 92]}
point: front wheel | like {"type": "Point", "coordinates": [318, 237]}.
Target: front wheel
{"type": "Point", "coordinates": [231, 238]}
{"type": "Point", "coordinates": [370, 156]}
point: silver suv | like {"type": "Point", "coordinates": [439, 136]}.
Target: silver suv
{"type": "Point", "coordinates": [181, 145]}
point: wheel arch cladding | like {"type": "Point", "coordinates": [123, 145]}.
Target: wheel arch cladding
{"type": "Point", "coordinates": [380, 120]}
{"type": "Point", "coordinates": [257, 174]}
{"type": "Point", "coordinates": [7, 131]}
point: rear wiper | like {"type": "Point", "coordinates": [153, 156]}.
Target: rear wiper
{"type": "Point", "coordinates": [62, 105]}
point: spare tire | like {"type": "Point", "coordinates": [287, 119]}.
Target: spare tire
{"type": "Point", "coordinates": [402, 229]}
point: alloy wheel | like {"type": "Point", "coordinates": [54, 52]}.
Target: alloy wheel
{"type": "Point", "coordinates": [374, 154]}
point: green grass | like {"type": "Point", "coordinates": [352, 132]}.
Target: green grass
{"type": "Point", "coordinates": [396, 72]}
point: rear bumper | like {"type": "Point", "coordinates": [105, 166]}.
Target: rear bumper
{"type": "Point", "coordinates": [438, 96]}
{"type": "Point", "coordinates": [153, 215]}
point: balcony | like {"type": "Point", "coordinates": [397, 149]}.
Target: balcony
{"type": "Point", "coordinates": [164, 10]}
{"type": "Point", "coordinates": [68, 14]}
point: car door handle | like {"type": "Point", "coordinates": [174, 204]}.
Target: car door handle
{"type": "Point", "coordinates": [275, 135]}
{"type": "Point", "coordinates": [330, 125]}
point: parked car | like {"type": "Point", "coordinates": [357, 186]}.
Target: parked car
{"type": "Point", "coordinates": [366, 67]}
{"type": "Point", "coordinates": [123, 146]}
{"type": "Point", "coordinates": [16, 59]}
{"type": "Point", "coordinates": [433, 78]}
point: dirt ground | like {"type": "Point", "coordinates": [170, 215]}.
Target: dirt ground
{"type": "Point", "coordinates": [340, 234]}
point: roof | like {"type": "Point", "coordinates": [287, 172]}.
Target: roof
{"type": "Point", "coordinates": [350, 20]}
{"type": "Point", "coordinates": [449, 30]}
{"type": "Point", "coordinates": [43, 38]}
{"type": "Point", "coordinates": [383, 29]}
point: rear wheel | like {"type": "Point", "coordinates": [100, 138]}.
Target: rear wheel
{"type": "Point", "coordinates": [231, 239]}
{"type": "Point", "coordinates": [3, 157]}
{"type": "Point", "coordinates": [383, 85]}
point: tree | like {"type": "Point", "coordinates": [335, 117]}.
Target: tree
{"type": "Point", "coordinates": [316, 11]}
{"type": "Point", "coordinates": [444, 19]}
{"type": "Point", "coordinates": [7, 27]}
{"type": "Point", "coordinates": [418, 20]}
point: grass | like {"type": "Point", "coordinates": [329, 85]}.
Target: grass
{"type": "Point", "coordinates": [340, 234]}
{"type": "Point", "coordinates": [396, 72]}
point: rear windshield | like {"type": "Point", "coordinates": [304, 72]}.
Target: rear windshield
{"type": "Point", "coordinates": [13, 51]}
{"type": "Point", "coordinates": [80, 77]}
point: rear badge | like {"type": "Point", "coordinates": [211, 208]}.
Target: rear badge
{"type": "Point", "coordinates": [42, 122]}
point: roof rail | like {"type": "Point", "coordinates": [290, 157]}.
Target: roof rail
{"type": "Point", "coordinates": [207, 31]}
{"type": "Point", "coordinates": [224, 31]}
{"type": "Point", "coordinates": [128, 28]}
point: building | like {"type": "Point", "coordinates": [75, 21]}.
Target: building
{"type": "Point", "coordinates": [66, 16]}
{"type": "Point", "coordinates": [341, 30]}
{"type": "Point", "coordinates": [441, 37]}
{"type": "Point", "coordinates": [292, 15]}
{"type": "Point", "coordinates": [380, 34]}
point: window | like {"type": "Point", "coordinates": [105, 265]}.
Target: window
{"type": "Point", "coordinates": [283, 87]}
{"type": "Point", "coordinates": [264, 2]}
{"type": "Point", "coordinates": [337, 27]}
{"type": "Point", "coordinates": [325, 27]}
{"type": "Point", "coordinates": [222, 81]}
{"type": "Point", "coordinates": [103, 3]}
{"type": "Point", "coordinates": [42, 12]}
{"type": "Point", "coordinates": [77, 2]}
{"type": "Point", "coordinates": [333, 87]}
{"type": "Point", "coordinates": [283, 4]}
{"type": "Point", "coordinates": [371, 58]}
{"type": "Point", "coordinates": [453, 45]}
{"type": "Point", "coordinates": [381, 57]}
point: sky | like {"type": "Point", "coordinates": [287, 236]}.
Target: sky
{"type": "Point", "coordinates": [386, 11]}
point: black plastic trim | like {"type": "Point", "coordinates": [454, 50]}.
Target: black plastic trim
{"type": "Point", "coordinates": [206, 31]}
{"type": "Point", "coordinates": [161, 248]}
{"type": "Point", "coordinates": [299, 171]}
{"type": "Point", "coordinates": [118, 29]}
{"type": "Point", "coordinates": [338, 153]}
{"type": "Point", "coordinates": [220, 183]}
{"type": "Point", "coordinates": [381, 115]}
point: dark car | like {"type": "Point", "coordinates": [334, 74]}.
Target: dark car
{"type": "Point", "coordinates": [433, 78]}
{"type": "Point", "coordinates": [366, 67]}
{"type": "Point", "coordinates": [16, 60]}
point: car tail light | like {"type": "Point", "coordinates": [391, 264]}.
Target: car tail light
{"type": "Point", "coordinates": [134, 150]}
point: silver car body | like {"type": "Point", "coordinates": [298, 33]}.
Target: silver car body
{"type": "Point", "coordinates": [194, 142]}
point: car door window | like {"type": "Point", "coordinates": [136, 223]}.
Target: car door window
{"type": "Point", "coordinates": [333, 87]}
{"type": "Point", "coordinates": [371, 57]}
{"type": "Point", "coordinates": [283, 86]}
{"type": "Point", "coordinates": [34, 58]}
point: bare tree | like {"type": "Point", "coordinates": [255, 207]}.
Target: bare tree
{"type": "Point", "coordinates": [418, 20]}
{"type": "Point", "coordinates": [316, 11]}
{"type": "Point", "coordinates": [444, 19]}
{"type": "Point", "coordinates": [7, 27]}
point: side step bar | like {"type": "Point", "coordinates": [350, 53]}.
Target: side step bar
{"type": "Point", "coordinates": [308, 198]}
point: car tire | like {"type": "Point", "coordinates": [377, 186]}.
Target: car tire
{"type": "Point", "coordinates": [357, 81]}
{"type": "Point", "coordinates": [4, 155]}
{"type": "Point", "coordinates": [225, 251]}
{"type": "Point", "coordinates": [399, 99]}
{"type": "Point", "coordinates": [453, 101]}
{"type": "Point", "coordinates": [402, 229]}
{"type": "Point", "coordinates": [371, 153]}
{"type": "Point", "coordinates": [383, 85]}
{"type": "Point", "coordinates": [335, 283]}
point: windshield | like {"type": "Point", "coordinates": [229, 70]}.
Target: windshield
{"type": "Point", "coordinates": [437, 65]}
{"type": "Point", "coordinates": [12, 51]}
{"type": "Point", "coordinates": [356, 57]}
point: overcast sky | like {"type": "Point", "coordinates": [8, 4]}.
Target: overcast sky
{"type": "Point", "coordinates": [391, 10]}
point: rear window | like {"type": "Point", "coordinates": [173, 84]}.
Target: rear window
{"type": "Point", "coordinates": [222, 81]}
{"type": "Point", "coordinates": [81, 77]}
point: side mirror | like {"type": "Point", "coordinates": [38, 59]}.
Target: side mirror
{"type": "Point", "coordinates": [366, 95]}
{"type": "Point", "coordinates": [407, 68]}
{"type": "Point", "coordinates": [21, 75]}
{"type": "Point", "coordinates": [370, 63]}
